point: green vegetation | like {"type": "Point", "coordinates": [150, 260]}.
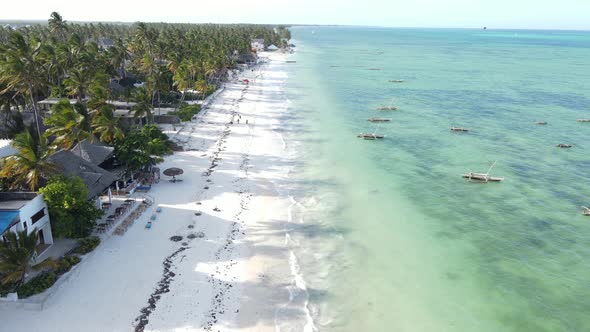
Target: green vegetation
{"type": "Point", "coordinates": [47, 279]}
{"type": "Point", "coordinates": [37, 285]}
{"type": "Point", "coordinates": [186, 112]}
{"type": "Point", "coordinates": [142, 147]}
{"type": "Point", "coordinates": [65, 264]}
{"type": "Point", "coordinates": [82, 61]}
{"type": "Point", "coordinates": [29, 166]}
{"type": "Point", "coordinates": [16, 254]}
{"type": "Point", "coordinates": [86, 245]}
{"type": "Point", "coordinates": [72, 215]}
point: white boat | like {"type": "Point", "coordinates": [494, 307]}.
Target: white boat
{"type": "Point", "coordinates": [459, 129]}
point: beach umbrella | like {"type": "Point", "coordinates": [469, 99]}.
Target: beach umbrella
{"type": "Point", "coordinates": [173, 172]}
{"type": "Point", "coordinates": [110, 194]}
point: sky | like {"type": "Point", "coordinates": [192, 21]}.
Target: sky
{"type": "Point", "coordinates": [521, 14]}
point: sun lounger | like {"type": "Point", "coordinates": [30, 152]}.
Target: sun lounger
{"type": "Point", "coordinates": [159, 209]}
{"type": "Point", "coordinates": [153, 217]}
{"type": "Point", "coordinates": [148, 225]}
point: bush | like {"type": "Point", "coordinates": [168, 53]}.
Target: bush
{"type": "Point", "coordinates": [186, 112]}
{"type": "Point", "coordinates": [86, 245]}
{"type": "Point", "coordinates": [37, 285]}
{"type": "Point", "coordinates": [65, 264]}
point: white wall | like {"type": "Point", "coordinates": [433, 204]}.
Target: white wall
{"type": "Point", "coordinates": [27, 211]}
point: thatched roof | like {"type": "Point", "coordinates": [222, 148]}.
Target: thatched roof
{"type": "Point", "coordinates": [95, 152]}
{"type": "Point", "coordinates": [96, 179]}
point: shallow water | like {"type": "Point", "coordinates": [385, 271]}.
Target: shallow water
{"type": "Point", "coordinates": [387, 235]}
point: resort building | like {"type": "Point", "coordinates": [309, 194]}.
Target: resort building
{"type": "Point", "coordinates": [46, 104]}
{"type": "Point", "coordinates": [21, 211]}
{"type": "Point", "coordinates": [96, 178]}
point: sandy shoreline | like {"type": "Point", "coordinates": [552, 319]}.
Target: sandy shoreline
{"type": "Point", "coordinates": [236, 277]}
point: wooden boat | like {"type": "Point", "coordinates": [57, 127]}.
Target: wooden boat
{"type": "Point", "coordinates": [388, 108]}
{"type": "Point", "coordinates": [374, 69]}
{"type": "Point", "coordinates": [542, 123]}
{"type": "Point", "coordinates": [370, 136]}
{"type": "Point", "coordinates": [564, 146]}
{"type": "Point", "coordinates": [378, 120]}
{"type": "Point", "coordinates": [291, 61]}
{"type": "Point", "coordinates": [459, 129]}
{"type": "Point", "coordinates": [585, 211]}
{"type": "Point", "coordinates": [483, 177]}
{"type": "Point", "coordinates": [583, 120]}
{"type": "Point", "coordinates": [396, 81]}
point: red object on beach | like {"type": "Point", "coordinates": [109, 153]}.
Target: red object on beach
{"type": "Point", "coordinates": [246, 81]}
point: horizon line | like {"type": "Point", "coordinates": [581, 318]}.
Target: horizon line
{"type": "Point", "coordinates": [41, 21]}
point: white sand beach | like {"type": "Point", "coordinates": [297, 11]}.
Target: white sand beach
{"type": "Point", "coordinates": [235, 278]}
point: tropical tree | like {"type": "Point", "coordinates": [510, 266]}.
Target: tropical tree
{"type": "Point", "coordinates": [16, 254]}
{"type": "Point", "coordinates": [20, 69]}
{"type": "Point", "coordinates": [142, 147]}
{"type": "Point", "coordinates": [57, 25]}
{"type": "Point", "coordinates": [78, 81]}
{"type": "Point", "coordinates": [106, 125]}
{"type": "Point", "coordinates": [143, 106]}
{"type": "Point", "coordinates": [72, 214]}
{"type": "Point", "coordinates": [29, 165]}
{"type": "Point", "coordinates": [67, 125]}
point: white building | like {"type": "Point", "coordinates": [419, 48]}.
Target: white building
{"type": "Point", "coordinates": [26, 211]}
{"type": "Point", "coordinates": [257, 44]}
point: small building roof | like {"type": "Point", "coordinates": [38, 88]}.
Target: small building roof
{"type": "Point", "coordinates": [13, 201]}
{"type": "Point", "coordinates": [6, 148]}
{"type": "Point", "coordinates": [97, 179]}
{"type": "Point", "coordinates": [272, 48]}
{"type": "Point", "coordinates": [94, 152]}
{"type": "Point", "coordinates": [125, 113]}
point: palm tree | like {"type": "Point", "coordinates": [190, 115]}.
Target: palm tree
{"type": "Point", "coordinates": [16, 254]}
{"type": "Point", "coordinates": [143, 106]}
{"type": "Point", "coordinates": [29, 165]}
{"type": "Point", "coordinates": [57, 25]}
{"type": "Point", "coordinates": [20, 69]}
{"type": "Point", "coordinates": [78, 82]}
{"type": "Point", "coordinates": [67, 125]}
{"type": "Point", "coordinates": [106, 125]}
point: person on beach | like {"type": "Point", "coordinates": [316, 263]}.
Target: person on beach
{"type": "Point", "coordinates": [246, 121]}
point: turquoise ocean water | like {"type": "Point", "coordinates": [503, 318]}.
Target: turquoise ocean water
{"type": "Point", "coordinates": [387, 234]}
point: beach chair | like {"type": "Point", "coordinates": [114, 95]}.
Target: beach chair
{"type": "Point", "coordinates": [159, 209]}
{"type": "Point", "coordinates": [153, 217]}
{"type": "Point", "coordinates": [148, 225]}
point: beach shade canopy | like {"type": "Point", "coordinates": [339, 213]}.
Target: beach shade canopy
{"type": "Point", "coordinates": [174, 171]}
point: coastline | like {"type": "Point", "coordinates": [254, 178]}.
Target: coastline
{"type": "Point", "coordinates": [231, 269]}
